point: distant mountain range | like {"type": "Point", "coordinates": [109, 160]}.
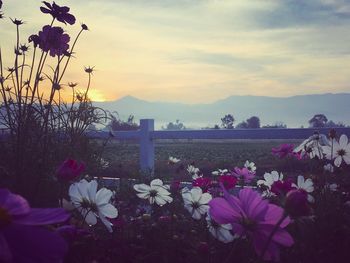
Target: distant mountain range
{"type": "Point", "coordinates": [293, 111]}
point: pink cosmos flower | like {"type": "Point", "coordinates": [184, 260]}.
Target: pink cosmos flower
{"type": "Point", "coordinates": [252, 216]}
{"type": "Point", "coordinates": [202, 182]}
{"type": "Point", "coordinates": [243, 174]}
{"type": "Point", "coordinates": [283, 151]}
{"type": "Point", "coordinates": [228, 181]}
{"type": "Point", "coordinates": [297, 204]}
{"type": "Point", "coordinates": [282, 187]}
{"type": "Point", "coordinates": [21, 237]}
{"type": "Point", "coordinates": [69, 170]}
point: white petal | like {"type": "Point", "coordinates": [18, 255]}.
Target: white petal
{"type": "Point", "coordinates": [74, 193]}
{"type": "Point", "coordinates": [187, 197]}
{"type": "Point", "coordinates": [83, 187]}
{"type": "Point", "coordinates": [310, 198]}
{"type": "Point", "coordinates": [196, 214]}
{"type": "Point", "coordinates": [337, 161]}
{"type": "Point", "coordinates": [143, 195]}
{"type": "Point", "coordinates": [106, 223]}
{"type": "Point", "coordinates": [103, 196]}
{"type": "Point", "coordinates": [346, 158]}
{"type": "Point", "coordinates": [343, 140]}
{"type": "Point", "coordinates": [162, 191]}
{"type": "Point", "coordinates": [90, 218]}
{"type": "Point", "coordinates": [308, 185]}
{"type": "Point", "coordinates": [224, 235]}
{"type": "Point", "coordinates": [142, 187]}
{"type": "Point", "coordinates": [160, 201]}
{"type": "Point", "coordinates": [167, 198]}
{"type": "Point", "coordinates": [204, 199]}
{"type": "Point", "coordinates": [108, 210]}
{"type": "Point", "coordinates": [203, 209]}
{"type": "Point", "coordinates": [300, 181]}
{"type": "Point", "coordinates": [156, 182]}
{"type": "Point", "coordinates": [92, 188]}
{"type": "Point", "coordinates": [196, 193]}
{"type": "Point", "coordinates": [189, 208]}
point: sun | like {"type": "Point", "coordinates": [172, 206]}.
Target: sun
{"type": "Point", "coordinates": [96, 95]}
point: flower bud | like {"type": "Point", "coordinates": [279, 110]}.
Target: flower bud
{"type": "Point", "coordinates": [332, 134]}
{"type": "Point", "coordinates": [146, 217]}
{"type": "Point", "coordinates": [297, 204]}
{"type": "Point", "coordinates": [69, 170]}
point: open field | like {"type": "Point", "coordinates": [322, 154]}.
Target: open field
{"type": "Point", "coordinates": [208, 155]}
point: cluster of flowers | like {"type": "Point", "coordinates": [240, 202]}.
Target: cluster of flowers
{"type": "Point", "coordinates": [248, 214]}
{"type": "Point", "coordinates": [318, 146]}
{"type": "Point", "coordinates": [52, 39]}
{"type": "Point", "coordinates": [234, 205]}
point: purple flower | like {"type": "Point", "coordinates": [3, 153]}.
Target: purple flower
{"type": "Point", "coordinates": [228, 181]}
{"type": "Point", "coordinates": [254, 217]}
{"type": "Point", "coordinates": [202, 182]}
{"type": "Point", "coordinates": [35, 39]}
{"type": "Point", "coordinates": [283, 151]}
{"type": "Point", "coordinates": [282, 187]}
{"type": "Point", "coordinates": [21, 237]}
{"type": "Point", "coordinates": [61, 13]}
{"type": "Point", "coordinates": [243, 174]}
{"type": "Point", "coordinates": [53, 40]}
{"type": "Point", "coordinates": [297, 204]}
{"type": "Point", "coordinates": [69, 170]}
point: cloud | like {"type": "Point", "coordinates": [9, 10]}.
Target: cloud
{"type": "Point", "coordinates": [176, 50]}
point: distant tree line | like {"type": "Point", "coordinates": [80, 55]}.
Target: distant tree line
{"type": "Point", "coordinates": [177, 125]}
{"type": "Point", "coordinates": [227, 122]}
{"type": "Point", "coordinates": [317, 121]}
{"type": "Point", "coordinates": [321, 121]}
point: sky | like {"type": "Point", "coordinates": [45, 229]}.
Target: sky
{"type": "Point", "coordinates": [200, 51]}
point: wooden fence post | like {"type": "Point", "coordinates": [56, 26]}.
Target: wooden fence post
{"type": "Point", "coordinates": [146, 146]}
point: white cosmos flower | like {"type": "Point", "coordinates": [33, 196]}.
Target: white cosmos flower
{"type": "Point", "coordinates": [92, 204]}
{"type": "Point", "coordinates": [313, 146]}
{"type": "Point", "coordinates": [269, 179]}
{"type": "Point", "coordinates": [220, 172]}
{"type": "Point", "coordinates": [173, 160]}
{"type": "Point", "coordinates": [328, 168]}
{"type": "Point", "coordinates": [193, 171]}
{"type": "Point", "coordinates": [196, 202]}
{"type": "Point", "coordinates": [250, 166]}
{"type": "Point", "coordinates": [332, 187]}
{"type": "Point", "coordinates": [155, 192]}
{"type": "Point", "coordinates": [340, 151]}
{"type": "Point", "coordinates": [306, 185]}
{"type": "Point", "coordinates": [220, 232]}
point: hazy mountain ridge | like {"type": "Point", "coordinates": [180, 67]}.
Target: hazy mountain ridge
{"type": "Point", "coordinates": [294, 111]}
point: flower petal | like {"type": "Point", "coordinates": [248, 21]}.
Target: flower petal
{"type": "Point", "coordinates": [142, 187]}
{"type": "Point", "coordinates": [108, 210]}
{"type": "Point", "coordinates": [34, 244]}
{"type": "Point", "coordinates": [103, 196]}
{"type": "Point", "coordinates": [222, 212]}
{"type": "Point", "coordinates": [43, 216]}
{"type": "Point", "coordinates": [343, 140]}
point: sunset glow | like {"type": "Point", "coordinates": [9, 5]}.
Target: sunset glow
{"type": "Point", "coordinates": [202, 51]}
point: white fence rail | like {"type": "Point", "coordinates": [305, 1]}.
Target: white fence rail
{"type": "Point", "coordinates": [147, 135]}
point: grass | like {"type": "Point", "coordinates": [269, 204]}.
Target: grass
{"type": "Point", "coordinates": [208, 155]}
